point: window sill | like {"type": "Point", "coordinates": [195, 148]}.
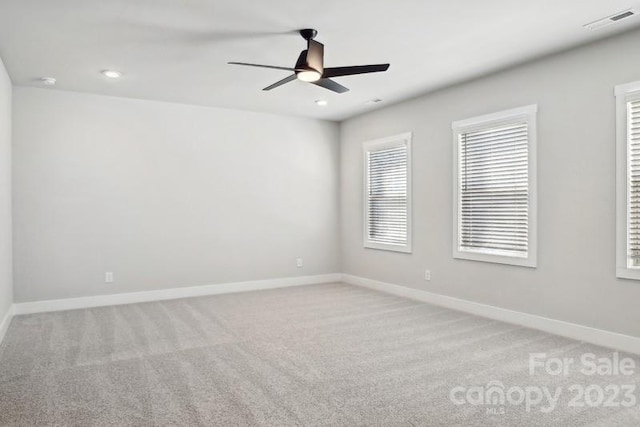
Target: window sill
{"type": "Point", "coordinates": [627, 273]}
{"type": "Point", "coordinates": [496, 259]}
{"type": "Point", "coordinates": [390, 248]}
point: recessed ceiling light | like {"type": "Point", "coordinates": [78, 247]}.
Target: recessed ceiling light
{"type": "Point", "coordinates": [48, 81]}
{"type": "Point", "coordinates": [321, 102]}
{"type": "Point", "coordinates": [112, 74]}
{"type": "Point", "coordinates": [373, 101]}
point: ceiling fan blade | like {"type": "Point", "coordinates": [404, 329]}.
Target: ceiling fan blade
{"type": "Point", "coordinates": [331, 85]}
{"type": "Point", "coordinates": [281, 82]}
{"type": "Point", "coordinates": [315, 56]}
{"type": "Point", "coordinates": [262, 66]}
{"type": "Point", "coordinates": [356, 69]}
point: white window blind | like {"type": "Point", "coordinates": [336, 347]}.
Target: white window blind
{"type": "Point", "coordinates": [387, 186]}
{"type": "Point", "coordinates": [628, 180]}
{"type": "Point", "coordinates": [493, 193]}
{"type": "Point", "coordinates": [494, 196]}
{"type": "Point", "coordinates": [633, 183]}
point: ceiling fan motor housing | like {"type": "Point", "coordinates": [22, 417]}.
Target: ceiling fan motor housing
{"type": "Point", "coordinates": [308, 33]}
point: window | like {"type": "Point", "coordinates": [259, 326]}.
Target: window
{"type": "Point", "coordinates": [495, 187]}
{"type": "Point", "coordinates": [628, 181]}
{"type": "Point", "coordinates": [387, 207]}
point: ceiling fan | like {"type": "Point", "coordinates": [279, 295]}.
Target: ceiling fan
{"type": "Point", "coordinates": [310, 67]}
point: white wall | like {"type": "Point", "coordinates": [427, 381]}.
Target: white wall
{"type": "Point", "coordinates": [166, 195]}
{"type": "Point", "coordinates": [6, 285]}
{"type": "Point", "coordinates": [575, 278]}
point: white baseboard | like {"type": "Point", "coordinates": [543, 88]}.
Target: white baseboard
{"type": "Point", "coordinates": [4, 323]}
{"type": "Point", "coordinates": [599, 337]}
{"type": "Point", "coordinates": [168, 294]}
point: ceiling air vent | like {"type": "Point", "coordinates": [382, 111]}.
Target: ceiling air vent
{"type": "Point", "coordinates": [600, 23]}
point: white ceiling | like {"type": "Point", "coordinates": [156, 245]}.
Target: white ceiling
{"type": "Point", "coordinates": [177, 50]}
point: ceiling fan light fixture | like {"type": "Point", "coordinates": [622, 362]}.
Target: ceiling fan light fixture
{"type": "Point", "coordinates": [308, 75]}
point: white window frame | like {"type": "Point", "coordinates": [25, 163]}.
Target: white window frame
{"type": "Point", "coordinates": [403, 139]}
{"type": "Point", "coordinates": [528, 114]}
{"type": "Point", "coordinates": [624, 93]}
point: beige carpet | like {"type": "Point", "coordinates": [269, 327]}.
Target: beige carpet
{"type": "Point", "coordinates": [313, 355]}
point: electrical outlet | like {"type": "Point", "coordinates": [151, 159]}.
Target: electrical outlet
{"type": "Point", "coordinates": [299, 262]}
{"type": "Point", "coordinates": [427, 275]}
{"type": "Point", "coordinates": [108, 277]}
